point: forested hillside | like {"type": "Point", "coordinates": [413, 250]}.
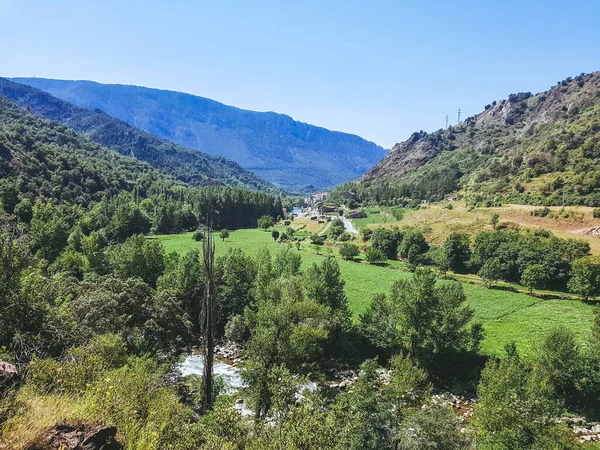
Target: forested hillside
{"type": "Point", "coordinates": [43, 161]}
{"type": "Point", "coordinates": [187, 165]}
{"type": "Point", "coordinates": [537, 149]}
{"type": "Point", "coordinates": [291, 154]}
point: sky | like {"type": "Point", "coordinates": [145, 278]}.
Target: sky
{"type": "Point", "coordinates": [379, 69]}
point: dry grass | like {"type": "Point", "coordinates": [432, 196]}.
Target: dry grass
{"type": "Point", "coordinates": [438, 222]}
{"type": "Point", "coordinates": [35, 415]}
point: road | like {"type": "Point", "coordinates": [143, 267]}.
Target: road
{"type": "Point", "coordinates": [349, 226]}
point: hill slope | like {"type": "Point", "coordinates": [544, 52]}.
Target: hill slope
{"type": "Point", "coordinates": [44, 159]}
{"type": "Point", "coordinates": [539, 149]}
{"type": "Point", "coordinates": [187, 165]}
{"type": "Point", "coordinates": [274, 146]}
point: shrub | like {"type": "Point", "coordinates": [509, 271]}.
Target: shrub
{"type": "Point", "coordinates": [541, 212]}
{"type": "Point", "coordinates": [366, 233]}
{"type": "Point", "coordinates": [315, 239]}
{"type": "Point", "coordinates": [349, 251]}
{"type": "Point", "coordinates": [198, 235]}
{"type": "Point", "coordinates": [596, 213]}
{"type": "Point", "coordinates": [345, 236]}
{"type": "Point", "coordinates": [374, 255]}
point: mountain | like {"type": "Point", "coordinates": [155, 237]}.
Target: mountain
{"type": "Point", "coordinates": [291, 154]}
{"type": "Point", "coordinates": [538, 149]}
{"type": "Point", "coordinates": [190, 166]}
{"type": "Point", "coordinates": [44, 159]}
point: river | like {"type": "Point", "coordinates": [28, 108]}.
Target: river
{"type": "Point", "coordinates": [232, 378]}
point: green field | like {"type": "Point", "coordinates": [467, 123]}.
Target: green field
{"type": "Point", "coordinates": [507, 316]}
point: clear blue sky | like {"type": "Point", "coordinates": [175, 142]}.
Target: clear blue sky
{"type": "Point", "coordinates": [380, 69]}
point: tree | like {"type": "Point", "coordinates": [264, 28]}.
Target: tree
{"type": "Point", "coordinates": [49, 229]}
{"type": "Point", "coordinates": [494, 219]}
{"type": "Point", "coordinates": [490, 272]}
{"type": "Point", "coordinates": [275, 235]}
{"type": "Point", "coordinates": [515, 407]}
{"type": "Point", "coordinates": [374, 255]}
{"type": "Point", "coordinates": [349, 251]}
{"type": "Point", "coordinates": [324, 284]}
{"type": "Point", "coordinates": [585, 277]}
{"type": "Point", "coordinates": [368, 418]}
{"type": "Point", "coordinates": [398, 213]}
{"type": "Point", "coordinates": [457, 251]}
{"type": "Point", "coordinates": [265, 222]}
{"type": "Point", "coordinates": [286, 329]}
{"type": "Point", "coordinates": [560, 359]}
{"type": "Point", "coordinates": [429, 322]}
{"type": "Point", "coordinates": [534, 277]}
{"type": "Point", "coordinates": [439, 258]}
{"type": "Point", "coordinates": [235, 276]}
{"type": "Point", "coordinates": [209, 317]}
{"type": "Point", "coordinates": [386, 241]}
{"type": "Point", "coordinates": [413, 244]}
{"type": "Point", "coordinates": [138, 257]}
{"type": "Point", "coordinates": [435, 427]}
{"type": "Point", "coordinates": [198, 235]}
{"type": "Point", "coordinates": [224, 234]}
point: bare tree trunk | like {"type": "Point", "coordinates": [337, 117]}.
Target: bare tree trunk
{"type": "Point", "coordinates": [209, 316]}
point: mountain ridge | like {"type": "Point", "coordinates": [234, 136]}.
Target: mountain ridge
{"type": "Point", "coordinates": [540, 149]}
{"type": "Point", "coordinates": [188, 165]}
{"type": "Point", "coordinates": [289, 153]}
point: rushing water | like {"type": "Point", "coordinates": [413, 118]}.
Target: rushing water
{"type": "Point", "coordinates": [231, 376]}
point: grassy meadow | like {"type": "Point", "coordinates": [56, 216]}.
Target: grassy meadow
{"type": "Point", "coordinates": [506, 316]}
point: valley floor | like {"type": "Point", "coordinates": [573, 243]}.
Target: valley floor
{"type": "Point", "coordinates": [507, 316]}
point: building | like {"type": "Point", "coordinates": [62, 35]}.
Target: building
{"type": "Point", "coordinates": [315, 198]}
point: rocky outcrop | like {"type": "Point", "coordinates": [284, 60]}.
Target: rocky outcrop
{"type": "Point", "coordinates": [79, 436]}
{"type": "Point", "coordinates": [7, 371]}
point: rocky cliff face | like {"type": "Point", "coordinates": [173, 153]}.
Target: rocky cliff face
{"type": "Point", "coordinates": [511, 143]}
{"type": "Point", "coordinates": [277, 148]}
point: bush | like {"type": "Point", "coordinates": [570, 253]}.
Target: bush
{"type": "Point", "coordinates": [198, 235]}
{"type": "Point", "coordinates": [315, 239]}
{"type": "Point", "coordinates": [541, 212]}
{"type": "Point", "coordinates": [349, 251]}
{"type": "Point", "coordinates": [596, 213]}
{"type": "Point", "coordinates": [374, 255]}
{"type": "Point", "coordinates": [345, 236]}
{"type": "Point", "coordinates": [366, 233]}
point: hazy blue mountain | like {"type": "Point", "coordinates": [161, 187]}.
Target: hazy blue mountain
{"type": "Point", "coordinates": [190, 166]}
{"type": "Point", "coordinates": [279, 149]}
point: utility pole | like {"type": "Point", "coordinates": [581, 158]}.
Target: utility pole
{"type": "Point", "coordinates": [458, 115]}
{"type": "Point", "coordinates": [447, 120]}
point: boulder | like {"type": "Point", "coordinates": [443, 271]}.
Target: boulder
{"type": "Point", "coordinates": [7, 371]}
{"type": "Point", "coordinates": [78, 436]}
